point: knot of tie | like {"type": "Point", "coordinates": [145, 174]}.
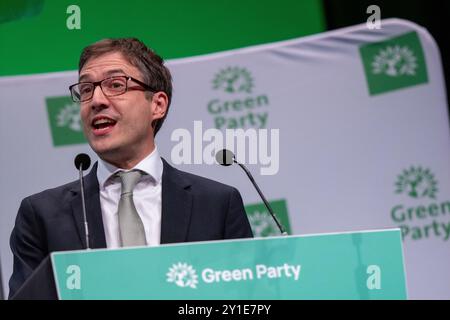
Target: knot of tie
{"type": "Point", "coordinates": [128, 180]}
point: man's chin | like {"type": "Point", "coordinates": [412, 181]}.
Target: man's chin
{"type": "Point", "coordinates": [103, 149]}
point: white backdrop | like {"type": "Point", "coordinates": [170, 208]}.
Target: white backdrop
{"type": "Point", "coordinates": [342, 149]}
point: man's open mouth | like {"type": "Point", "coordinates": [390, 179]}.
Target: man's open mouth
{"type": "Point", "coordinates": [102, 125]}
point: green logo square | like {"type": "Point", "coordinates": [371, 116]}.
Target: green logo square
{"type": "Point", "coordinates": [394, 64]}
{"type": "Point", "coordinates": [261, 221]}
{"type": "Point", "coordinates": [65, 121]}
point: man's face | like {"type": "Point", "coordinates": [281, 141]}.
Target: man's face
{"type": "Point", "coordinates": [119, 128]}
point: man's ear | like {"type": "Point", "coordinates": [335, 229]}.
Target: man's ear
{"type": "Point", "coordinates": [160, 102]}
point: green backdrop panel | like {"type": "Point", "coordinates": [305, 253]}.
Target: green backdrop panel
{"type": "Point", "coordinates": [34, 37]}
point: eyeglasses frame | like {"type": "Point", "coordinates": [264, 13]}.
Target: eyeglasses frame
{"type": "Point", "coordinates": [99, 83]}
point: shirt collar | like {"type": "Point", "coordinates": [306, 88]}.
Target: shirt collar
{"type": "Point", "coordinates": [151, 165]}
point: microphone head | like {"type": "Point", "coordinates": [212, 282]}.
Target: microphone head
{"type": "Point", "coordinates": [82, 160]}
{"type": "Point", "coordinates": [225, 157]}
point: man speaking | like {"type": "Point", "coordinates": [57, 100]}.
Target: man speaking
{"type": "Point", "coordinates": [133, 196]}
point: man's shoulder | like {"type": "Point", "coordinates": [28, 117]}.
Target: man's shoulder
{"type": "Point", "coordinates": [58, 193]}
{"type": "Point", "coordinates": [206, 182]}
{"type": "Point", "coordinates": [64, 192]}
{"type": "Point", "coordinates": [201, 183]}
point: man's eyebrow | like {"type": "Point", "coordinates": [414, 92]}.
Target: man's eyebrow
{"type": "Point", "coordinates": [114, 71]}
{"type": "Point", "coordinates": [106, 74]}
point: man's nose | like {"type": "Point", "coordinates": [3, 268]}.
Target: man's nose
{"type": "Point", "coordinates": [99, 100]}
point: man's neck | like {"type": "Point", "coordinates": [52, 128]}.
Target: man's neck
{"type": "Point", "coordinates": [152, 165]}
{"type": "Point", "coordinates": [129, 163]}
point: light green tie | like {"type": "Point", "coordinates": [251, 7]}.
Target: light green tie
{"type": "Point", "coordinates": [132, 231]}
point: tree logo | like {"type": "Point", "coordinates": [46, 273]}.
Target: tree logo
{"type": "Point", "coordinates": [233, 79]}
{"type": "Point", "coordinates": [65, 121]}
{"type": "Point", "coordinates": [394, 64]}
{"type": "Point", "coordinates": [417, 183]}
{"type": "Point", "coordinates": [183, 275]}
{"type": "Point", "coordinates": [261, 221]}
{"type": "Point", "coordinates": [69, 116]}
{"type": "Point", "coordinates": [262, 224]}
{"type": "Point", "coordinates": [395, 61]}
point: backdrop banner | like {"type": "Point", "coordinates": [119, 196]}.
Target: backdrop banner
{"type": "Point", "coordinates": [343, 131]}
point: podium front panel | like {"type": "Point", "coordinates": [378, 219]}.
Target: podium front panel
{"type": "Point", "coordinates": [354, 265]}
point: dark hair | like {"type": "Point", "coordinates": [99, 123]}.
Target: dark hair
{"type": "Point", "coordinates": [151, 65]}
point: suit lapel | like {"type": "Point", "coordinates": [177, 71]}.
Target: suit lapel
{"type": "Point", "coordinates": [93, 211]}
{"type": "Point", "coordinates": [176, 205]}
{"type": "Point", "coordinates": [176, 202]}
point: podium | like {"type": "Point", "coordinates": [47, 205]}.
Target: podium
{"type": "Point", "coordinates": [353, 265]}
{"type": "Point", "coordinates": [40, 285]}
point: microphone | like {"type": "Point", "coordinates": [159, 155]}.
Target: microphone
{"type": "Point", "coordinates": [83, 162]}
{"type": "Point", "coordinates": [226, 158]}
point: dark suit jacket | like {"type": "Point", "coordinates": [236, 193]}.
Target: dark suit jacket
{"type": "Point", "coordinates": [193, 209]}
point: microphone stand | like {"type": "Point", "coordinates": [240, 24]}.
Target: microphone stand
{"type": "Point", "coordinates": [86, 229]}
{"type": "Point", "coordinates": [266, 203]}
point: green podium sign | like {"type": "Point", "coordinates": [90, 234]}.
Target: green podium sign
{"type": "Point", "coordinates": [356, 265]}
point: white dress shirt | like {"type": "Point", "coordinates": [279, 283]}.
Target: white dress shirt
{"type": "Point", "coordinates": [146, 197]}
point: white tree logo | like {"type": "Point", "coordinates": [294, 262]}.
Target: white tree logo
{"type": "Point", "coordinates": [183, 275]}
{"type": "Point", "coordinates": [262, 224]}
{"type": "Point", "coordinates": [69, 116]}
{"type": "Point", "coordinates": [395, 61]}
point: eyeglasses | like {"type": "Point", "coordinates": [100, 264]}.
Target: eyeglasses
{"type": "Point", "coordinates": [113, 86]}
